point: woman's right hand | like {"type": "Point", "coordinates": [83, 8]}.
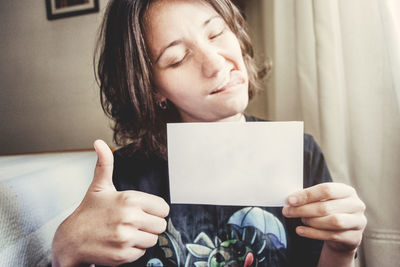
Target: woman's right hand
{"type": "Point", "coordinates": [109, 227]}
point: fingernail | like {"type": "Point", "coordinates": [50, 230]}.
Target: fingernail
{"type": "Point", "coordinates": [285, 211]}
{"type": "Point", "coordinates": [292, 200]}
{"type": "Point", "coordinates": [300, 231]}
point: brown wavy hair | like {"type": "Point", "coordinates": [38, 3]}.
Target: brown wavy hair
{"type": "Point", "coordinates": [124, 73]}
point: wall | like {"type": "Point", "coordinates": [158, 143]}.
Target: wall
{"type": "Point", "coordinates": [48, 96]}
{"type": "Point", "coordinates": [260, 23]}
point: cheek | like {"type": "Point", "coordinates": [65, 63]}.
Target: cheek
{"type": "Point", "coordinates": [178, 82]}
{"type": "Point", "coordinates": [170, 85]}
{"type": "Point", "coordinates": [233, 43]}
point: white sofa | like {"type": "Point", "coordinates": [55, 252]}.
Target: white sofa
{"type": "Point", "coordinates": [37, 192]}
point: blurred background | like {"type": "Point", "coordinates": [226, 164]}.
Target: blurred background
{"type": "Point", "coordinates": [49, 100]}
{"type": "Point", "coordinates": [336, 66]}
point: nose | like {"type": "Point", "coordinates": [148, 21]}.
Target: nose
{"type": "Point", "coordinates": [212, 63]}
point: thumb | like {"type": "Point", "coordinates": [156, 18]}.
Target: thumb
{"type": "Point", "coordinates": [103, 172]}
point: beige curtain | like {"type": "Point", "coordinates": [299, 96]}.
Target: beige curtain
{"type": "Point", "coordinates": [337, 67]}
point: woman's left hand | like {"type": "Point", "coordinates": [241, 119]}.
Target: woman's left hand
{"type": "Point", "coordinates": [332, 212]}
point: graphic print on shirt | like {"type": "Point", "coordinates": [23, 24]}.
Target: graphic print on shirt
{"type": "Point", "coordinates": [251, 237]}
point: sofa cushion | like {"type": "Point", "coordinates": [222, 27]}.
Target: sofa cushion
{"type": "Point", "coordinates": [37, 192]}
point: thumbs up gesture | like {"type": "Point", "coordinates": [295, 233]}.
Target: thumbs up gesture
{"type": "Point", "coordinates": [109, 227]}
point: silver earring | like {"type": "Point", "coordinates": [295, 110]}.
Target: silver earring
{"type": "Point", "coordinates": [162, 104]}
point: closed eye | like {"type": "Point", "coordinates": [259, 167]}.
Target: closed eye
{"type": "Point", "coordinates": [176, 64]}
{"type": "Point", "coordinates": [213, 36]}
{"type": "Point", "coordinates": [179, 62]}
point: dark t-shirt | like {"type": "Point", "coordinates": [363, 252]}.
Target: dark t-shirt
{"type": "Point", "coordinates": [209, 235]}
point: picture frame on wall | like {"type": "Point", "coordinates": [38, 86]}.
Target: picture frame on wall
{"type": "Point", "coordinates": [57, 9]}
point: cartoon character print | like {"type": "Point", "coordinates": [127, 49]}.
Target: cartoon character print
{"type": "Point", "coordinates": [252, 237]}
{"type": "Point", "coordinates": [231, 252]}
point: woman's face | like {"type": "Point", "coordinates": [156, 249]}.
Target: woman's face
{"type": "Point", "coordinates": [197, 61]}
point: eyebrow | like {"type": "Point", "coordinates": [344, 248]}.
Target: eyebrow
{"type": "Point", "coordinates": [179, 41]}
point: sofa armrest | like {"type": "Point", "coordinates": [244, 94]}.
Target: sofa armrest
{"type": "Point", "coordinates": [37, 192]}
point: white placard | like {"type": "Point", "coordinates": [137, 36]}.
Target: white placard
{"type": "Point", "coordinates": [231, 163]}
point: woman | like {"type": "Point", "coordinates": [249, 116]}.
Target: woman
{"type": "Point", "coordinates": [188, 60]}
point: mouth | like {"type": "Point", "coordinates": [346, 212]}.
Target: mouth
{"type": "Point", "coordinates": [233, 78]}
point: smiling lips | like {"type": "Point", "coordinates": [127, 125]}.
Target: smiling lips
{"type": "Point", "coordinates": [236, 77]}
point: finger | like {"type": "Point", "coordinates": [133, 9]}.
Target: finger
{"type": "Point", "coordinates": [149, 203]}
{"type": "Point", "coordinates": [104, 168]}
{"type": "Point", "coordinates": [337, 222]}
{"type": "Point", "coordinates": [131, 254]}
{"type": "Point", "coordinates": [350, 239]}
{"type": "Point", "coordinates": [118, 256]}
{"type": "Point", "coordinates": [129, 236]}
{"type": "Point", "coordinates": [144, 240]}
{"type": "Point", "coordinates": [141, 220]}
{"type": "Point", "coordinates": [324, 208]}
{"type": "Point", "coordinates": [151, 224]}
{"type": "Point", "coordinates": [324, 191]}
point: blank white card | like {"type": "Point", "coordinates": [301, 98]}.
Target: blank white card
{"type": "Point", "coordinates": [245, 164]}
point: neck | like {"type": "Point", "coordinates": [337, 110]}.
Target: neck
{"type": "Point", "coordinates": [239, 117]}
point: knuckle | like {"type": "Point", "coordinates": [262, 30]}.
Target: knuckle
{"type": "Point", "coordinates": [134, 216]}
{"type": "Point", "coordinates": [327, 190]}
{"type": "Point", "coordinates": [154, 240]}
{"type": "Point", "coordinates": [338, 221]}
{"type": "Point", "coordinates": [164, 226]}
{"type": "Point", "coordinates": [119, 236]}
{"type": "Point", "coordinates": [139, 254]}
{"type": "Point", "coordinates": [133, 255]}
{"type": "Point", "coordinates": [124, 198]}
{"type": "Point", "coordinates": [167, 208]}
{"type": "Point", "coordinates": [307, 196]}
{"type": "Point", "coordinates": [323, 209]}
{"type": "Point", "coordinates": [119, 215]}
{"type": "Point", "coordinates": [120, 257]}
{"type": "Point", "coordinates": [161, 226]}
{"type": "Point", "coordinates": [137, 223]}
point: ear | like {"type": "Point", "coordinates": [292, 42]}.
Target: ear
{"type": "Point", "coordinates": [159, 97]}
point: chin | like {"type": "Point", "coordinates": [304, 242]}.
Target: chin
{"type": "Point", "coordinates": [239, 104]}
{"type": "Point", "coordinates": [233, 109]}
